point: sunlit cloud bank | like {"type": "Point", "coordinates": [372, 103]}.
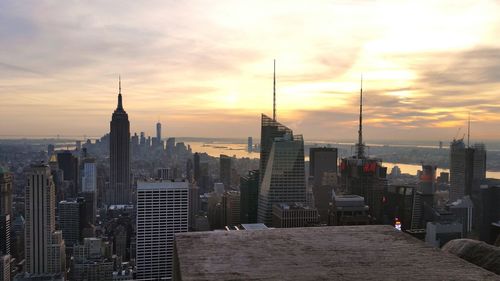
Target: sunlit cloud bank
{"type": "Point", "coordinates": [204, 68]}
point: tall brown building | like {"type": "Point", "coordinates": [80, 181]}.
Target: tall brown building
{"type": "Point", "coordinates": [119, 156]}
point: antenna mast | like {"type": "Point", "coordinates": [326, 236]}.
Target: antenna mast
{"type": "Point", "coordinates": [360, 145]}
{"type": "Point", "coordinates": [468, 131]}
{"type": "Point", "coordinates": [274, 91]}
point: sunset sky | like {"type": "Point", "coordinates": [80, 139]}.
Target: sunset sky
{"type": "Point", "coordinates": [204, 68]}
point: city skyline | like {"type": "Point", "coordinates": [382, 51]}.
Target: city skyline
{"type": "Point", "coordinates": [204, 70]}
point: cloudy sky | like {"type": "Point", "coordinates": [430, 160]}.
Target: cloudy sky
{"type": "Point", "coordinates": [204, 68]}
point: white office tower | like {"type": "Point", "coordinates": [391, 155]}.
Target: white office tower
{"type": "Point", "coordinates": [162, 211]}
{"type": "Point", "coordinates": [44, 246]}
{"type": "Point", "coordinates": [89, 178]}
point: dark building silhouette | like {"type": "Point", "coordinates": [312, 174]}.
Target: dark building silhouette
{"type": "Point", "coordinates": [427, 180]}
{"type": "Point", "coordinates": [196, 168]}
{"type": "Point", "coordinates": [249, 197]}
{"type": "Point", "coordinates": [400, 205]}
{"type": "Point", "coordinates": [158, 132]}
{"type": "Point", "coordinates": [489, 211]}
{"type": "Point", "coordinates": [461, 169]}
{"type": "Point", "coordinates": [69, 165]}
{"type": "Point", "coordinates": [348, 210]}
{"type": "Point", "coordinates": [364, 176]}
{"type": "Point", "coordinates": [225, 171]}
{"type": "Point", "coordinates": [479, 161]}
{"type": "Point", "coordinates": [72, 220]}
{"type": "Point", "coordinates": [189, 170]}
{"type": "Point", "coordinates": [119, 156]}
{"type": "Point", "coordinates": [322, 160]}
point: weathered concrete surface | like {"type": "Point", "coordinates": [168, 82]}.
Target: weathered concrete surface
{"type": "Point", "coordinates": [477, 252]}
{"type": "Point", "coordinates": [322, 253]}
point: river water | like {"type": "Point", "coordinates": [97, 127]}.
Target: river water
{"type": "Point", "coordinates": [239, 150]}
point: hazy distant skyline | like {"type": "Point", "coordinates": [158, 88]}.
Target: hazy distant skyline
{"type": "Point", "coordinates": [204, 68]}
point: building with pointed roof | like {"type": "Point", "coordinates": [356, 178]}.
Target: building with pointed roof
{"type": "Point", "coordinates": [119, 191]}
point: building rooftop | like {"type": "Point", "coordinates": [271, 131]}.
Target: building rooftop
{"type": "Point", "coordinates": [316, 253]}
{"type": "Point", "coordinates": [294, 206]}
{"type": "Point", "coordinates": [168, 184]}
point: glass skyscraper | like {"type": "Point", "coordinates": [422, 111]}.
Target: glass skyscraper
{"type": "Point", "coordinates": [282, 171]}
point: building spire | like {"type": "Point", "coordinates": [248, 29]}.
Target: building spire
{"type": "Point", "coordinates": [468, 131]}
{"type": "Point", "coordinates": [360, 145]}
{"type": "Point", "coordinates": [274, 91]}
{"type": "Point", "coordinates": [120, 106]}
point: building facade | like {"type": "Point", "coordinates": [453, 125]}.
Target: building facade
{"type": "Point", "coordinates": [119, 156]}
{"type": "Point", "coordinates": [5, 223]}
{"type": "Point", "coordinates": [249, 197]}
{"type": "Point", "coordinates": [322, 160]}
{"type": "Point", "coordinates": [162, 211]}
{"type": "Point", "coordinates": [225, 171]}
{"type": "Point", "coordinates": [90, 261]}
{"type": "Point", "coordinates": [68, 163]}
{"type": "Point", "coordinates": [284, 177]}
{"type": "Point", "coordinates": [349, 210]}
{"type": "Point", "coordinates": [44, 246]}
{"type": "Point", "coordinates": [231, 208]}
{"type": "Point", "coordinates": [89, 175]}
{"type": "Point", "coordinates": [294, 215]}
{"type": "Point", "coordinates": [461, 170]}
{"type": "Point", "coordinates": [367, 178]}
{"type": "Point", "coordinates": [72, 218]}
{"type": "Point", "coordinates": [269, 130]}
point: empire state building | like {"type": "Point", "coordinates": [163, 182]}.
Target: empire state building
{"type": "Point", "coordinates": [119, 156]}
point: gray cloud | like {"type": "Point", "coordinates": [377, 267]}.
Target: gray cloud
{"type": "Point", "coordinates": [472, 67]}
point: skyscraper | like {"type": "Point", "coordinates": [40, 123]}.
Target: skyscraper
{"type": "Point", "coordinates": [364, 176]}
{"type": "Point", "coordinates": [225, 171]}
{"type": "Point", "coordinates": [427, 181]}
{"type": "Point", "coordinates": [162, 211]}
{"type": "Point", "coordinates": [89, 177]}
{"type": "Point", "coordinates": [196, 168]}
{"type": "Point", "coordinates": [250, 144]}
{"type": "Point", "coordinates": [461, 169]}
{"type": "Point", "coordinates": [269, 130]}
{"type": "Point", "coordinates": [69, 165]}
{"type": "Point", "coordinates": [5, 223]}
{"type": "Point", "coordinates": [249, 197]}
{"type": "Point", "coordinates": [282, 175]}
{"type": "Point", "coordinates": [170, 147]}
{"type": "Point", "coordinates": [72, 220]}
{"type": "Point", "coordinates": [5, 191]}
{"type": "Point", "coordinates": [231, 208]}
{"type": "Point", "coordinates": [479, 159]}
{"type": "Point", "coordinates": [322, 160]}
{"type": "Point", "coordinates": [89, 188]}
{"type": "Point", "coordinates": [44, 246]}
{"type": "Point", "coordinates": [158, 132]}
{"type": "Point", "coordinates": [119, 156]}
{"type": "Point", "coordinates": [194, 204]}
{"type": "Point", "coordinates": [189, 170]}
{"type": "Point", "coordinates": [283, 180]}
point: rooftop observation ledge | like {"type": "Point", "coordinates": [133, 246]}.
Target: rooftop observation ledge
{"type": "Point", "coordinates": [316, 253]}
